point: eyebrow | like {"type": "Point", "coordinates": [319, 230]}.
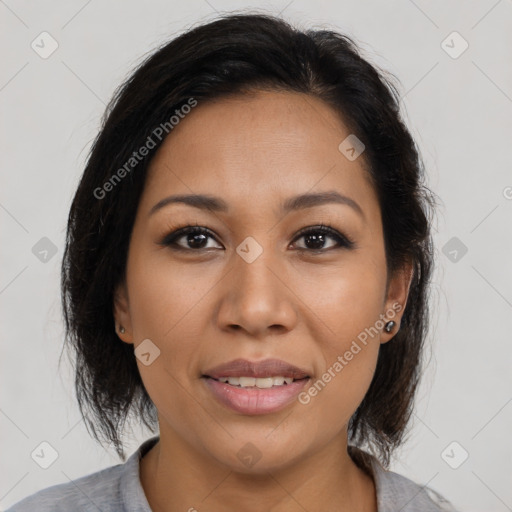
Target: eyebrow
{"type": "Point", "coordinates": [216, 204]}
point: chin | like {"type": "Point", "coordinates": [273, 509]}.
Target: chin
{"type": "Point", "coordinates": [257, 455]}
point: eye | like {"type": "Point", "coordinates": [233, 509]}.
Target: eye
{"type": "Point", "coordinates": [316, 237]}
{"type": "Point", "coordinates": [196, 238]}
{"type": "Point", "coordinates": [194, 235]}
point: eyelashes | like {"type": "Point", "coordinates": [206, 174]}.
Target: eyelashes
{"type": "Point", "coordinates": [325, 232]}
{"type": "Point", "coordinates": [198, 235]}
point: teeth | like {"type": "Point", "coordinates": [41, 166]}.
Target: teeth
{"type": "Point", "coordinates": [263, 383]}
{"type": "Point", "coordinates": [246, 382]}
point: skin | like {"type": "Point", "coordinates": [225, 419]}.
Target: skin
{"type": "Point", "coordinates": [208, 306]}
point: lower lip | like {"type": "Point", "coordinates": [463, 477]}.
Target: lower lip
{"type": "Point", "coordinates": [254, 400]}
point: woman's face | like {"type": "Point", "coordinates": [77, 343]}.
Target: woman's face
{"type": "Point", "coordinates": [252, 287]}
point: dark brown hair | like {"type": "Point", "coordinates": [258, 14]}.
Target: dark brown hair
{"type": "Point", "coordinates": [232, 55]}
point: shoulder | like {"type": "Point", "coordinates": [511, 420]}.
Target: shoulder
{"type": "Point", "coordinates": [96, 491]}
{"type": "Point", "coordinates": [113, 489]}
{"type": "Point", "coordinates": [396, 492]}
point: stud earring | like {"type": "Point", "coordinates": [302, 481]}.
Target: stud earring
{"type": "Point", "coordinates": [389, 326]}
{"type": "Point", "coordinates": [121, 329]}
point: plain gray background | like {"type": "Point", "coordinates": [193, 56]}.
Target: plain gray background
{"type": "Point", "coordinates": [459, 109]}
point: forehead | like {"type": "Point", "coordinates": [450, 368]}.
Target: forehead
{"type": "Point", "coordinates": [255, 149]}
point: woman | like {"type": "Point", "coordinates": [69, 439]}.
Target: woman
{"type": "Point", "coordinates": [247, 268]}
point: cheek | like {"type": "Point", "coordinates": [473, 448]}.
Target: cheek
{"type": "Point", "coordinates": [349, 351]}
{"type": "Point", "coordinates": [349, 305]}
{"type": "Point", "coordinates": [160, 308]}
{"type": "Point", "coordinates": [165, 308]}
{"type": "Point", "coordinates": [161, 293]}
{"type": "Point", "coordinates": [334, 396]}
{"type": "Point", "coordinates": [347, 298]}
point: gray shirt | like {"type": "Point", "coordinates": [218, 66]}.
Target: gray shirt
{"type": "Point", "coordinates": [118, 489]}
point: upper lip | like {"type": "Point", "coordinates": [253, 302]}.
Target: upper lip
{"type": "Point", "coordinates": [257, 369]}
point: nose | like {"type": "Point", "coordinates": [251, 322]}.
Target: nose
{"type": "Point", "coordinates": [257, 298]}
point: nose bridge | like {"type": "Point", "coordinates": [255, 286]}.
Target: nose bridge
{"type": "Point", "coordinates": [253, 262]}
{"type": "Point", "coordinates": [256, 297]}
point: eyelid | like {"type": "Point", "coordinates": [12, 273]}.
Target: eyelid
{"type": "Point", "coordinates": [327, 230]}
{"type": "Point", "coordinates": [178, 232]}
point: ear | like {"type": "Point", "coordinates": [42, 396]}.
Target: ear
{"type": "Point", "coordinates": [122, 315]}
{"type": "Point", "coordinates": [396, 299]}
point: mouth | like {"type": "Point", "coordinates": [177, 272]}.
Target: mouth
{"type": "Point", "coordinates": [268, 368]}
{"type": "Point", "coordinates": [253, 388]}
{"type": "Point", "coordinates": [260, 382]}
{"type": "Point", "coordinates": [255, 400]}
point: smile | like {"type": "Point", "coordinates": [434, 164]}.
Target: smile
{"type": "Point", "coordinates": [254, 396]}
{"type": "Point", "coordinates": [262, 383]}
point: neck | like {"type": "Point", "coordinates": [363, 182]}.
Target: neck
{"type": "Point", "coordinates": [176, 476]}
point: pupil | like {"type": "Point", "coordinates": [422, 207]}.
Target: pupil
{"type": "Point", "coordinates": [318, 238]}
{"type": "Point", "coordinates": [192, 236]}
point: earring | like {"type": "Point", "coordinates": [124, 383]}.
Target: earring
{"type": "Point", "coordinates": [121, 329]}
{"type": "Point", "coordinates": [389, 326]}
